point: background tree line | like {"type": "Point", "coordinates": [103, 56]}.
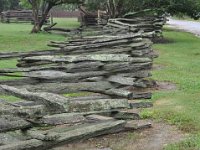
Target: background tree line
{"type": "Point", "coordinates": [114, 8]}
{"type": "Point", "coordinates": [8, 4]}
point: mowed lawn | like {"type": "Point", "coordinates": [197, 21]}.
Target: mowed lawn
{"type": "Point", "coordinates": [16, 37]}
{"type": "Point", "coordinates": [179, 61]}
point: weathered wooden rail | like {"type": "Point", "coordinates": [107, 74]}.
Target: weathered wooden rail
{"type": "Point", "coordinates": [109, 73]}
{"type": "Point", "coordinates": [19, 16]}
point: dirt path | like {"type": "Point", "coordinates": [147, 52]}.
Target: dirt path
{"type": "Point", "coordinates": [151, 139]}
{"type": "Point", "coordinates": [189, 26]}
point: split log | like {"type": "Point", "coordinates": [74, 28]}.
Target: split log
{"type": "Point", "coordinates": [8, 123]}
{"type": "Point", "coordinates": [103, 39]}
{"type": "Point", "coordinates": [54, 76]}
{"type": "Point", "coordinates": [67, 135]}
{"type": "Point", "coordinates": [127, 67]}
{"type": "Point", "coordinates": [16, 109]}
{"type": "Point", "coordinates": [97, 118]}
{"type": "Point", "coordinates": [54, 103]}
{"type": "Point", "coordinates": [124, 115]}
{"type": "Point", "coordinates": [72, 67]}
{"type": "Point", "coordinates": [47, 29]}
{"type": "Point", "coordinates": [91, 97]}
{"type": "Point", "coordinates": [121, 80]}
{"type": "Point", "coordinates": [137, 74]}
{"type": "Point", "coordinates": [34, 134]}
{"type": "Point", "coordinates": [64, 88]}
{"type": "Point", "coordinates": [123, 93]}
{"type": "Point", "coordinates": [19, 82]}
{"type": "Point", "coordinates": [99, 45]}
{"type": "Point", "coordinates": [140, 104]}
{"type": "Point", "coordinates": [97, 105]}
{"type": "Point", "coordinates": [24, 145]}
{"type": "Point", "coordinates": [60, 119]}
{"type": "Point", "coordinates": [80, 58]}
{"type": "Point", "coordinates": [62, 76]}
{"type": "Point", "coordinates": [26, 54]}
{"type": "Point", "coordinates": [90, 130]}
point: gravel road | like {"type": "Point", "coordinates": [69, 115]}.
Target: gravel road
{"type": "Point", "coordinates": [188, 26]}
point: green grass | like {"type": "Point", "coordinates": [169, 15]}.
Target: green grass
{"type": "Point", "coordinates": [16, 37]}
{"type": "Point", "coordinates": [10, 99]}
{"type": "Point", "coordinates": [180, 59]}
{"type": "Point", "coordinates": [180, 107]}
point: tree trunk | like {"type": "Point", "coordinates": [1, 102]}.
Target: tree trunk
{"type": "Point", "coordinates": [45, 11]}
{"type": "Point", "coordinates": [35, 7]}
{"type": "Point", "coordinates": [39, 22]}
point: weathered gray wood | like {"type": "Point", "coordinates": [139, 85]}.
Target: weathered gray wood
{"type": "Point", "coordinates": [60, 119]}
{"type": "Point", "coordinates": [90, 97]}
{"type": "Point", "coordinates": [99, 45]}
{"type": "Point", "coordinates": [32, 144]}
{"type": "Point", "coordinates": [36, 134]}
{"type": "Point", "coordinates": [72, 67]}
{"type": "Point", "coordinates": [124, 115]}
{"type": "Point", "coordinates": [140, 104]}
{"type": "Point", "coordinates": [59, 75]}
{"type": "Point", "coordinates": [8, 123]}
{"type": "Point", "coordinates": [92, 130]}
{"type": "Point", "coordinates": [127, 67]}
{"type": "Point", "coordinates": [97, 118]}
{"type": "Point", "coordinates": [19, 82]}
{"type": "Point", "coordinates": [137, 74]}
{"type": "Point", "coordinates": [97, 105]}
{"type": "Point", "coordinates": [24, 111]}
{"type": "Point", "coordinates": [97, 57]}
{"type": "Point", "coordinates": [54, 103]}
{"type": "Point", "coordinates": [64, 88]}
{"type": "Point", "coordinates": [119, 93]}
{"type": "Point", "coordinates": [67, 135]}
{"type": "Point", "coordinates": [5, 55]}
{"type": "Point", "coordinates": [145, 95]}
{"type": "Point", "coordinates": [121, 80]}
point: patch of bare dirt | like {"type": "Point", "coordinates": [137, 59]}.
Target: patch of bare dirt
{"type": "Point", "coordinates": [155, 138]}
{"type": "Point", "coordinates": [162, 40]}
{"type": "Point", "coordinates": [168, 86]}
{"type": "Point", "coordinates": [157, 67]}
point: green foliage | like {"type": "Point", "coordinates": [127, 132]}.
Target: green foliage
{"type": "Point", "coordinates": [94, 5]}
{"type": "Point", "coordinates": [174, 7]}
{"type": "Point", "coordinates": [8, 4]}
{"type": "Point", "coordinates": [25, 4]}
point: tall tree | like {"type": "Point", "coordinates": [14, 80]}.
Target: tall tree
{"type": "Point", "coordinates": [43, 7]}
{"type": "Point", "coordinates": [117, 8]}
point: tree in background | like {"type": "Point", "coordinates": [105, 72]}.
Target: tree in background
{"type": "Point", "coordinates": [43, 7]}
{"type": "Point", "coordinates": [8, 5]}
{"type": "Point", "coordinates": [114, 8]}
{"type": "Point", "coordinates": [117, 8]}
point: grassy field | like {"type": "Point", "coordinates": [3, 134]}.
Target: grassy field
{"type": "Point", "coordinates": [179, 61]}
{"type": "Point", "coordinates": [16, 37]}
